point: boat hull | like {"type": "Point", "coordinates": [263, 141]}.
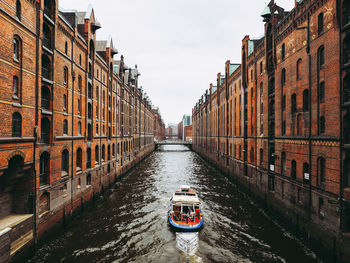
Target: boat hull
{"type": "Point", "coordinates": [184, 227]}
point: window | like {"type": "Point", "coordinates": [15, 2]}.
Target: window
{"type": "Point", "coordinates": [79, 159]}
{"type": "Point", "coordinates": [97, 154]}
{"type": "Point", "coordinates": [103, 153]}
{"type": "Point", "coordinates": [299, 125]}
{"type": "Point", "coordinates": [321, 170]}
{"type": "Point", "coordinates": [306, 100]}
{"type": "Point", "coordinates": [284, 102]}
{"type": "Point", "coordinates": [79, 128]}
{"type": "Point", "coordinates": [261, 156]}
{"type": "Point", "coordinates": [294, 103]}
{"type": "Point", "coordinates": [283, 127]}
{"type": "Point", "coordinates": [293, 173]}
{"type": "Point", "coordinates": [321, 93]}
{"type": "Point", "coordinates": [283, 77]}
{"type": "Point", "coordinates": [88, 179]}
{"type": "Point", "coordinates": [320, 24]}
{"type": "Point", "coordinates": [283, 52]}
{"type": "Point", "coordinates": [320, 56]}
{"type": "Point", "coordinates": [261, 71]}
{"type": "Point", "coordinates": [65, 127]}
{"type": "Point", "coordinates": [45, 98]}
{"type": "Point", "coordinates": [46, 36]}
{"type": "Point", "coordinates": [306, 174]}
{"type": "Point", "coordinates": [18, 10]}
{"type": "Point", "coordinates": [88, 158]}
{"type": "Point", "coordinates": [80, 59]}
{"type": "Point", "coordinates": [45, 67]}
{"type": "Point", "coordinates": [299, 69]}
{"type": "Point", "coordinates": [80, 83]}
{"type": "Point", "coordinates": [66, 48]}
{"type": "Point", "coordinates": [79, 106]}
{"type": "Point", "coordinates": [283, 163]}
{"type": "Point", "coordinates": [15, 87]}
{"type": "Point", "coordinates": [44, 168]}
{"type": "Point", "coordinates": [89, 132]}
{"type": "Point", "coordinates": [322, 125]}
{"type": "Point", "coordinates": [64, 101]}
{"type": "Point", "coordinates": [96, 129]}
{"type": "Point", "coordinates": [252, 155]}
{"type": "Point", "coordinates": [65, 162]}
{"type": "Point", "coordinates": [16, 50]}
{"type": "Point", "coordinates": [16, 125]}
{"type": "Point", "coordinates": [65, 76]}
{"type": "Point", "coordinates": [45, 130]}
{"type": "Point", "coordinates": [89, 111]}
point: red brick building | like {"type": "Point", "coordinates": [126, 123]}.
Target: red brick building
{"type": "Point", "coordinates": [279, 120]}
{"type": "Point", "coordinates": [72, 117]}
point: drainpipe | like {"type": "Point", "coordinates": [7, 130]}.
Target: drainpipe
{"type": "Point", "coordinates": [310, 111]}
{"type": "Point", "coordinates": [36, 121]}
{"type": "Point", "coordinates": [72, 128]}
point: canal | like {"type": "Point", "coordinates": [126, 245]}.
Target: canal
{"type": "Point", "coordinates": [129, 222]}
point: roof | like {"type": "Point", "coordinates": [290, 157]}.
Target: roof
{"type": "Point", "coordinates": [186, 199]}
{"type": "Point", "coordinates": [101, 45]}
{"type": "Point", "coordinates": [266, 11]}
{"type": "Point", "coordinates": [233, 68]}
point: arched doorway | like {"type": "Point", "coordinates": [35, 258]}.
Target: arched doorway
{"type": "Point", "coordinates": [16, 188]}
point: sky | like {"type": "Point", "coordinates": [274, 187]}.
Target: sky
{"type": "Point", "coordinates": [179, 46]}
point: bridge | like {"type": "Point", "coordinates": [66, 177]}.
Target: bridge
{"type": "Point", "coordinates": [174, 142]}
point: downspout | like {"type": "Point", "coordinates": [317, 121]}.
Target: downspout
{"type": "Point", "coordinates": [72, 126]}
{"type": "Point", "coordinates": [36, 122]}
{"type": "Point", "coordinates": [310, 112]}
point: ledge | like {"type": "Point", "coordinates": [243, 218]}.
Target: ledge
{"type": "Point", "coordinates": [16, 139]}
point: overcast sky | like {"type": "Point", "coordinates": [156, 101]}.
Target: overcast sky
{"type": "Point", "coordinates": [178, 45]}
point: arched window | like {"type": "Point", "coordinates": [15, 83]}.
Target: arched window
{"type": "Point", "coordinates": [306, 100]}
{"type": "Point", "coordinates": [15, 90]}
{"type": "Point", "coordinates": [79, 159]}
{"type": "Point", "coordinates": [293, 173]}
{"type": "Point", "coordinates": [320, 57]}
{"type": "Point", "coordinates": [294, 103]}
{"type": "Point", "coordinates": [306, 174]}
{"type": "Point", "coordinates": [96, 129]}
{"type": "Point", "coordinates": [79, 106]}
{"type": "Point", "coordinates": [65, 76]}
{"type": "Point", "coordinates": [46, 36]}
{"type": "Point", "coordinates": [320, 24]}
{"type": "Point", "coordinates": [283, 52]}
{"type": "Point", "coordinates": [79, 128]}
{"type": "Point", "coordinates": [89, 132]}
{"type": "Point", "coordinates": [88, 157]}
{"type": "Point", "coordinates": [103, 152]}
{"type": "Point", "coordinates": [322, 125]}
{"type": "Point", "coordinates": [299, 69]}
{"type": "Point", "coordinates": [283, 163]}
{"type": "Point", "coordinates": [113, 150]}
{"type": "Point", "coordinates": [89, 111]}
{"type": "Point", "coordinates": [16, 49]}
{"type": "Point", "coordinates": [321, 92]}
{"type": "Point", "coordinates": [66, 48]}
{"type": "Point", "coordinates": [65, 162]}
{"type": "Point", "coordinates": [45, 67]}
{"type": "Point", "coordinates": [45, 98]}
{"type": "Point", "coordinates": [18, 9]}
{"type": "Point", "coordinates": [45, 130]}
{"type": "Point", "coordinates": [109, 152]}
{"type": "Point", "coordinates": [80, 59]}
{"type": "Point", "coordinates": [44, 168]}
{"type": "Point", "coordinates": [97, 154]}
{"type": "Point", "coordinates": [283, 77]}
{"type": "Point", "coordinates": [299, 125]}
{"type": "Point", "coordinates": [252, 154]}
{"type": "Point", "coordinates": [80, 83]}
{"type": "Point", "coordinates": [65, 127]}
{"type": "Point", "coordinates": [64, 101]}
{"type": "Point", "coordinates": [16, 125]}
{"type": "Point", "coordinates": [321, 164]}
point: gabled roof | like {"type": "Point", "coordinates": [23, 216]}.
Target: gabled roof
{"type": "Point", "coordinates": [233, 68]}
{"type": "Point", "coordinates": [101, 45]}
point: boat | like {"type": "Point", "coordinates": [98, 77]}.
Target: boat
{"type": "Point", "coordinates": [185, 213]}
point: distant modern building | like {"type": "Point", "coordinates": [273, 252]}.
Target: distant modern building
{"type": "Point", "coordinates": [186, 121]}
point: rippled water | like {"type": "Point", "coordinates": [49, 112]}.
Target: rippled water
{"type": "Point", "coordinates": [129, 222]}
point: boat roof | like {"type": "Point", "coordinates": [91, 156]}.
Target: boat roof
{"type": "Point", "coordinates": [188, 199]}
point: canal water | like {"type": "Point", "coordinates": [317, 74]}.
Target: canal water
{"type": "Point", "coordinates": [129, 222]}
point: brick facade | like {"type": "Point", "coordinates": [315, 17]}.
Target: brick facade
{"type": "Point", "coordinates": [72, 117]}
{"type": "Point", "coordinates": [279, 120]}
